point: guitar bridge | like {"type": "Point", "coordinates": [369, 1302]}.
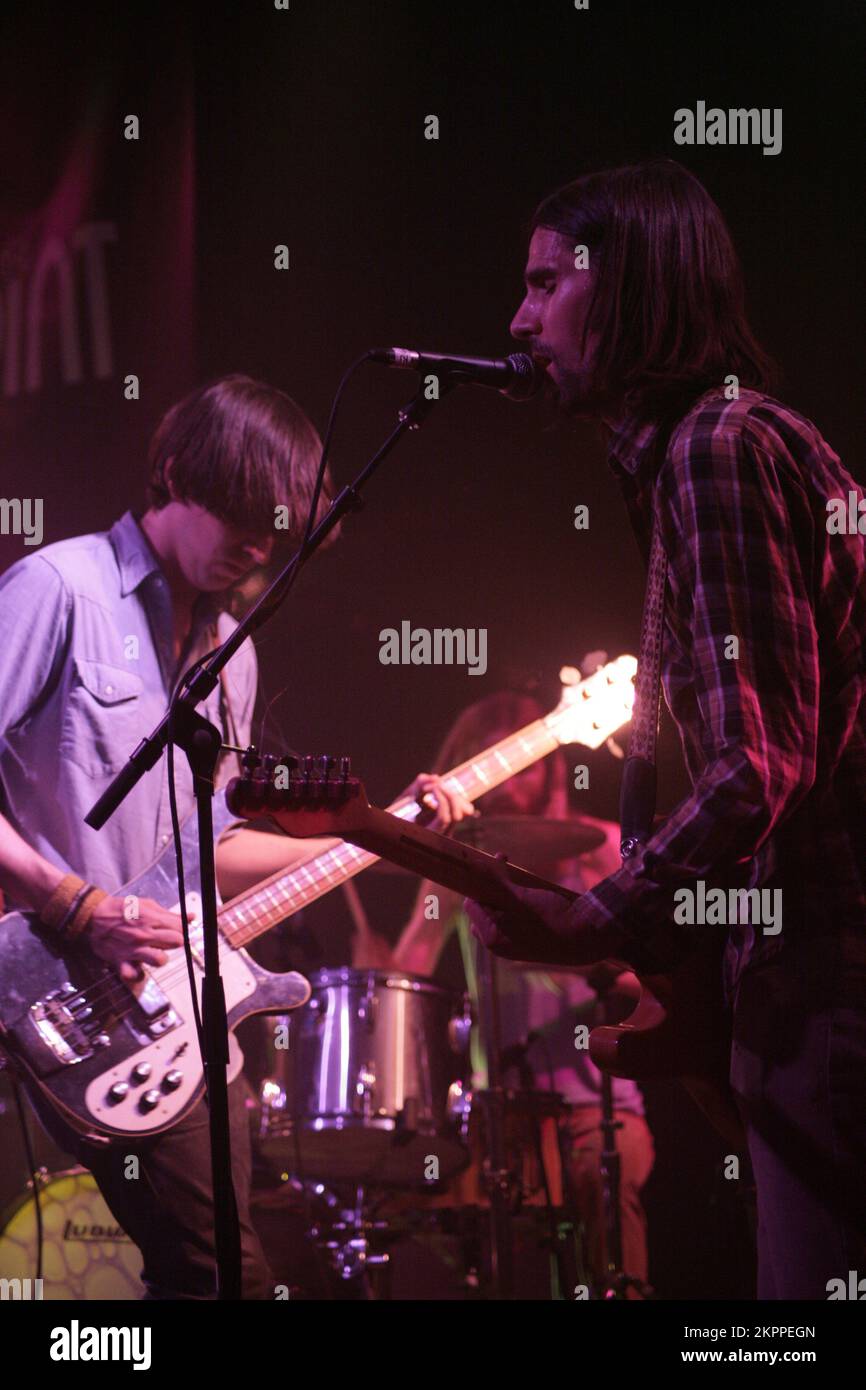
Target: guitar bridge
{"type": "Point", "coordinates": [66, 1024]}
{"type": "Point", "coordinates": [73, 1028]}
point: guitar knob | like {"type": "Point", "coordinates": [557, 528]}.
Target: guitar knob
{"type": "Point", "coordinates": [172, 1080]}
{"type": "Point", "coordinates": [140, 1072]}
{"type": "Point", "coordinates": [149, 1101]}
{"type": "Point", "coordinates": [118, 1091]}
{"type": "Point", "coordinates": [251, 759]}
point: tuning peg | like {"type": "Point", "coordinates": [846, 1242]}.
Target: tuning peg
{"type": "Point", "coordinates": [251, 759]}
{"type": "Point", "coordinates": [345, 767]}
{"type": "Point", "coordinates": [289, 761]}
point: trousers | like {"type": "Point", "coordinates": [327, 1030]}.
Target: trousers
{"type": "Point", "coordinates": [798, 1071]}
{"type": "Point", "coordinates": [165, 1202]}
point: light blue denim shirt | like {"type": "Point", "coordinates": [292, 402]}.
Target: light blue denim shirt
{"type": "Point", "coordinates": [86, 671]}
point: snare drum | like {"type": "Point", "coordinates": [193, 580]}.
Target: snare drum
{"type": "Point", "coordinates": [371, 1087]}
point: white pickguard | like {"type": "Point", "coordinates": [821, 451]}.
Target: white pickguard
{"type": "Point", "coordinates": [178, 1050]}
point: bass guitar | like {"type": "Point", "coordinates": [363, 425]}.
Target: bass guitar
{"type": "Point", "coordinates": [678, 1028]}
{"type": "Point", "coordinates": [115, 1058]}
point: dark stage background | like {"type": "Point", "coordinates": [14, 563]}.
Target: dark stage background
{"type": "Point", "coordinates": [306, 127]}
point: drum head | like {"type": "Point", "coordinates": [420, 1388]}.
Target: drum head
{"type": "Point", "coordinates": [362, 1092]}
{"type": "Point", "coordinates": [85, 1254]}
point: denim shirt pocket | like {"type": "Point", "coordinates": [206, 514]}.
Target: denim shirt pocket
{"type": "Point", "coordinates": [101, 718]}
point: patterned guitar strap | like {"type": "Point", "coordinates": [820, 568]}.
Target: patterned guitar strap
{"type": "Point", "coordinates": [637, 802]}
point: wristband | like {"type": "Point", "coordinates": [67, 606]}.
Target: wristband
{"type": "Point", "coordinates": [57, 907]}
{"type": "Point", "coordinates": [73, 908]}
{"type": "Point", "coordinates": [84, 911]}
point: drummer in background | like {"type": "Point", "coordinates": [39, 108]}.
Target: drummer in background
{"type": "Point", "coordinates": [541, 1004]}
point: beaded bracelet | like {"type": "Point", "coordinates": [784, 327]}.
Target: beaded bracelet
{"type": "Point", "coordinates": [83, 912]}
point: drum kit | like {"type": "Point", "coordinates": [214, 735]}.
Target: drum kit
{"type": "Point", "coordinates": [84, 1253]}
{"type": "Point", "coordinates": [369, 1116]}
{"type": "Point", "coordinates": [58, 1239]}
{"type": "Point", "coordinates": [367, 1113]}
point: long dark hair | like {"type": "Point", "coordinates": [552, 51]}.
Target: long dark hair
{"type": "Point", "coordinates": [667, 299]}
{"type": "Point", "coordinates": [239, 448]}
{"type": "Point", "coordinates": [495, 717]}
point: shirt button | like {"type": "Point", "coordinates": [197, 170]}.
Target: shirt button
{"type": "Point", "coordinates": [164, 839]}
{"type": "Point", "coordinates": [109, 690]}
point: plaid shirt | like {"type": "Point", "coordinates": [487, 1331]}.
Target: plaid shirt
{"type": "Point", "coordinates": [775, 738]}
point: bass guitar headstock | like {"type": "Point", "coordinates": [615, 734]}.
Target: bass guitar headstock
{"type": "Point", "coordinates": [306, 796]}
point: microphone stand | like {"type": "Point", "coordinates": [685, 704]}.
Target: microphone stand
{"type": "Point", "coordinates": [201, 742]}
{"type": "Point", "coordinates": [498, 1178]}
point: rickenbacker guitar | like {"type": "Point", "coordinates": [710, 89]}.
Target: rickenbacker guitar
{"type": "Point", "coordinates": [116, 1059]}
{"type": "Point", "coordinates": [678, 1029]}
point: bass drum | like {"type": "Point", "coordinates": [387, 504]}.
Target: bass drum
{"type": "Point", "coordinates": [369, 1084]}
{"type": "Point", "coordinates": [85, 1254]}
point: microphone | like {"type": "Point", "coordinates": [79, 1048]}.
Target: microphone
{"type": "Point", "coordinates": [516, 376]}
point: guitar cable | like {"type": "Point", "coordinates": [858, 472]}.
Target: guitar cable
{"type": "Point", "coordinates": [34, 1178]}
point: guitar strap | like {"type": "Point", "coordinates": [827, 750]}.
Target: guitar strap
{"type": "Point", "coordinates": [638, 789]}
{"type": "Point", "coordinates": [227, 715]}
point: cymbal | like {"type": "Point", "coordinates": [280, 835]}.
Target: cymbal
{"type": "Point", "coordinates": [528, 838]}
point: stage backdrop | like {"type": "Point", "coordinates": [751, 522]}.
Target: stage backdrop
{"type": "Point", "coordinates": [96, 268]}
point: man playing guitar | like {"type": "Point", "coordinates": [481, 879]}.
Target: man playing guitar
{"type": "Point", "coordinates": [634, 310]}
{"type": "Point", "coordinates": [95, 632]}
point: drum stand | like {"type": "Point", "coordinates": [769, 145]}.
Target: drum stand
{"type": "Point", "coordinates": [345, 1237]}
{"type": "Point", "coordinates": [616, 1281]}
{"type": "Point", "coordinates": [499, 1181]}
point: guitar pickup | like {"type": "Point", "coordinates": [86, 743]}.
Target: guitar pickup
{"type": "Point", "coordinates": [158, 1013]}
